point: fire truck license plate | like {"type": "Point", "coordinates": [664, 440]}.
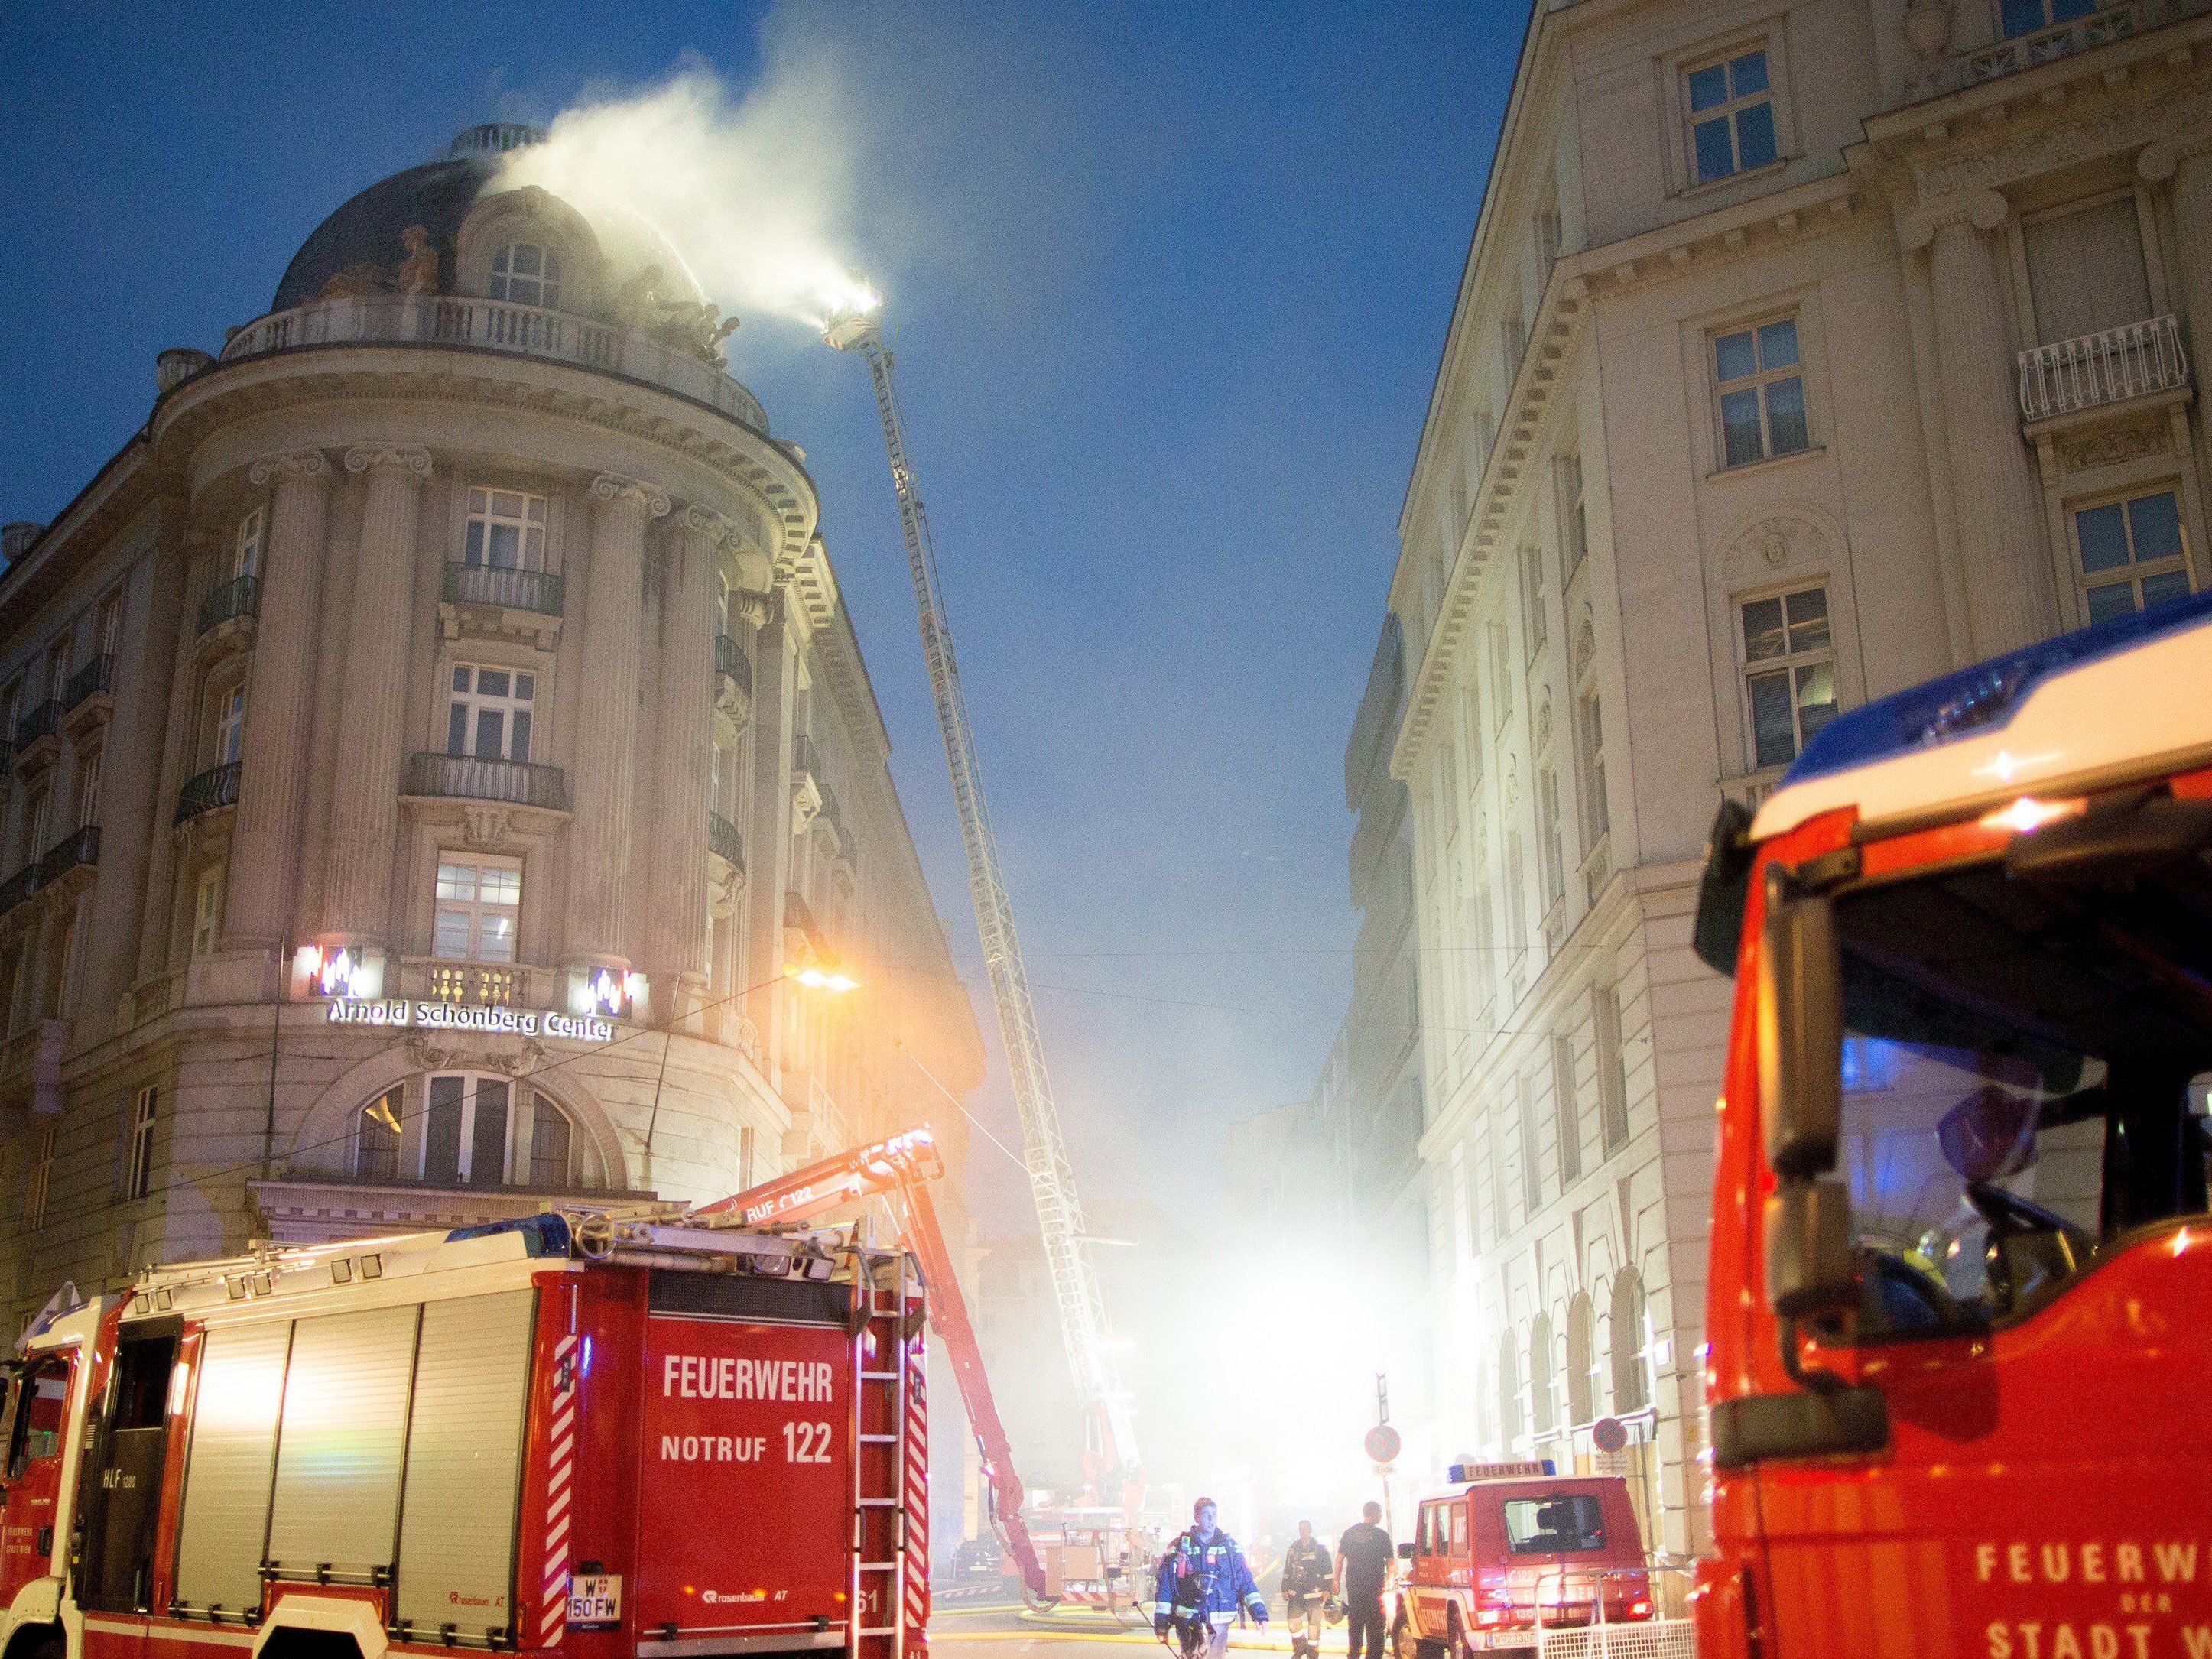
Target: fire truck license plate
{"type": "Point", "coordinates": [595, 1600]}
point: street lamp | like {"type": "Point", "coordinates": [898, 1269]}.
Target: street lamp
{"type": "Point", "coordinates": [833, 981]}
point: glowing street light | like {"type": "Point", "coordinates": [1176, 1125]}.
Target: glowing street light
{"type": "Point", "coordinates": [816, 979]}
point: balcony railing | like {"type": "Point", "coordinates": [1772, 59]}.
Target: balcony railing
{"type": "Point", "coordinates": [731, 664]}
{"type": "Point", "coordinates": [540, 591]}
{"type": "Point", "coordinates": [18, 888]}
{"type": "Point", "coordinates": [44, 721]}
{"type": "Point", "coordinates": [80, 851]}
{"type": "Point", "coordinates": [476, 777]}
{"type": "Point", "coordinates": [216, 786]}
{"type": "Point", "coordinates": [238, 597]}
{"type": "Point", "coordinates": [494, 325]}
{"type": "Point", "coordinates": [491, 983]}
{"type": "Point", "coordinates": [89, 681]}
{"type": "Point", "coordinates": [723, 840]}
{"type": "Point", "coordinates": [2108, 367]}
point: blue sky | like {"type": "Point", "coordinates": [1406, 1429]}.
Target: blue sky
{"type": "Point", "coordinates": [1167, 285]}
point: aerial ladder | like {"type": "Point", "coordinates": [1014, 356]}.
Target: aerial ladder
{"type": "Point", "coordinates": [898, 1170]}
{"type": "Point", "coordinates": [1113, 1443]}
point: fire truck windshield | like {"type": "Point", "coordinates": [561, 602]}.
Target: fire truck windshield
{"type": "Point", "coordinates": [2024, 1079]}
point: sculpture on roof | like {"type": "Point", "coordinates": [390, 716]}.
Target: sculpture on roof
{"type": "Point", "coordinates": [415, 273]}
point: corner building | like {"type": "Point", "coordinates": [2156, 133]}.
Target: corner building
{"type": "Point", "coordinates": [1803, 351]}
{"type": "Point", "coordinates": [433, 735]}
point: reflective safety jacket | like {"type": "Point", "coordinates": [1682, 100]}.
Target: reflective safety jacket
{"type": "Point", "coordinates": [1221, 1581]}
{"type": "Point", "coordinates": [1307, 1569]}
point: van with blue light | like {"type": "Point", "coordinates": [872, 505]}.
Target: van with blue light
{"type": "Point", "coordinates": [1518, 1557]}
{"type": "Point", "coordinates": [1956, 1332]}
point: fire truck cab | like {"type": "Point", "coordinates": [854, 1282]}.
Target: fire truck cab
{"type": "Point", "coordinates": [1957, 1332]}
{"type": "Point", "coordinates": [1507, 1553]}
{"type": "Point", "coordinates": [612, 1441]}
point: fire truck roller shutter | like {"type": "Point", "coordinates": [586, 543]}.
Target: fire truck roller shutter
{"type": "Point", "coordinates": [465, 1462]}
{"type": "Point", "coordinates": [338, 1451]}
{"type": "Point", "coordinates": [234, 1449]}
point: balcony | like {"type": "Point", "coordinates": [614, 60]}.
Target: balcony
{"type": "Point", "coordinates": [2109, 367]}
{"type": "Point", "coordinates": [2078, 34]}
{"type": "Point", "coordinates": [214, 788]}
{"type": "Point", "coordinates": [494, 325]}
{"type": "Point", "coordinates": [487, 984]}
{"type": "Point", "coordinates": [496, 584]}
{"type": "Point", "coordinates": [476, 777]}
{"type": "Point", "coordinates": [87, 699]}
{"type": "Point", "coordinates": [72, 860]}
{"type": "Point", "coordinates": [37, 737]}
{"type": "Point", "coordinates": [724, 842]}
{"type": "Point", "coordinates": [238, 600]}
{"type": "Point", "coordinates": [733, 679]}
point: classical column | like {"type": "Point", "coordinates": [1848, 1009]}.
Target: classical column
{"type": "Point", "coordinates": [271, 777]}
{"type": "Point", "coordinates": [2001, 538]}
{"type": "Point", "coordinates": [2190, 173]}
{"type": "Point", "coordinates": [607, 731]}
{"type": "Point", "coordinates": [180, 741]}
{"type": "Point", "coordinates": [683, 733]}
{"type": "Point", "coordinates": [767, 828]}
{"type": "Point", "coordinates": [364, 833]}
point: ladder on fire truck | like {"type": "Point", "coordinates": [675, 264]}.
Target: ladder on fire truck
{"type": "Point", "coordinates": [891, 1507]}
{"type": "Point", "coordinates": [1051, 1179]}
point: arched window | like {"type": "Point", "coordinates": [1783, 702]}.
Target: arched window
{"type": "Point", "coordinates": [1629, 1393]}
{"type": "Point", "coordinates": [1543, 1391]}
{"type": "Point", "coordinates": [1509, 1392]}
{"type": "Point", "coordinates": [1582, 1360]}
{"type": "Point", "coordinates": [473, 1129]}
{"type": "Point", "coordinates": [526, 274]}
{"type": "Point", "coordinates": [376, 1132]}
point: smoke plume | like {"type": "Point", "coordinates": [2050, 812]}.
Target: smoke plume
{"type": "Point", "coordinates": [753, 194]}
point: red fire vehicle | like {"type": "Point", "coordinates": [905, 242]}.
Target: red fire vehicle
{"type": "Point", "coordinates": [1511, 1554]}
{"type": "Point", "coordinates": [632, 1441]}
{"type": "Point", "coordinates": [1961, 1258]}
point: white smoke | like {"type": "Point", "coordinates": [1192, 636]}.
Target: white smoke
{"type": "Point", "coordinates": [755, 194]}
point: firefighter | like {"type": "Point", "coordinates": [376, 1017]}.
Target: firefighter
{"type": "Point", "coordinates": [1203, 1582]}
{"type": "Point", "coordinates": [1306, 1575]}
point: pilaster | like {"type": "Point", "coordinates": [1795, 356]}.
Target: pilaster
{"type": "Point", "coordinates": [265, 845]}
{"type": "Point", "coordinates": [2187, 171]}
{"type": "Point", "coordinates": [365, 800]}
{"type": "Point", "coordinates": [767, 828]}
{"type": "Point", "coordinates": [682, 734]}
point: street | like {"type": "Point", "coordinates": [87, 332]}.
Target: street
{"type": "Point", "coordinates": [1003, 1630]}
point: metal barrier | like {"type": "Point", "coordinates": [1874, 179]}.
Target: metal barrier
{"type": "Point", "coordinates": [1582, 1595]}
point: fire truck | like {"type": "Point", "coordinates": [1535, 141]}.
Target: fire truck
{"type": "Point", "coordinates": [1957, 1325]}
{"type": "Point", "coordinates": [654, 1435]}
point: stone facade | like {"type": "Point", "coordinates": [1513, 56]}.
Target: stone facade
{"type": "Point", "coordinates": [1804, 351]}
{"type": "Point", "coordinates": [459, 649]}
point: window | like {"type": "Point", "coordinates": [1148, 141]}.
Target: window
{"type": "Point", "coordinates": [1549, 861]}
{"type": "Point", "coordinates": [1568, 1110]}
{"type": "Point", "coordinates": [87, 790]}
{"type": "Point", "coordinates": [1612, 1069]}
{"type": "Point", "coordinates": [1532, 1175]}
{"type": "Point", "coordinates": [2130, 555]}
{"type": "Point", "coordinates": [107, 625]}
{"type": "Point", "coordinates": [1565, 1525]}
{"type": "Point", "coordinates": [229, 724]}
{"type": "Point", "coordinates": [1631, 1386]}
{"type": "Point", "coordinates": [1543, 1397]}
{"type": "Point", "coordinates": [489, 714]}
{"type": "Point", "coordinates": [57, 669]}
{"type": "Point", "coordinates": [506, 530]}
{"type": "Point", "coordinates": [207, 910]}
{"type": "Point", "coordinates": [1731, 117]}
{"type": "Point", "coordinates": [376, 1133]}
{"type": "Point", "coordinates": [1512, 341]}
{"type": "Point", "coordinates": [1509, 1389]}
{"type": "Point", "coordinates": [478, 900]}
{"type": "Point", "coordinates": [245, 545]}
{"type": "Point", "coordinates": [1501, 676]}
{"type": "Point", "coordinates": [38, 825]}
{"type": "Point", "coordinates": [1546, 225]}
{"type": "Point", "coordinates": [477, 1132]}
{"type": "Point", "coordinates": [1532, 601]}
{"type": "Point", "coordinates": [523, 274]}
{"type": "Point", "coordinates": [1762, 392]}
{"type": "Point", "coordinates": [41, 1414]}
{"type": "Point", "coordinates": [2017, 18]}
{"type": "Point", "coordinates": [1582, 1361]}
{"type": "Point", "coordinates": [1574, 520]}
{"type": "Point", "coordinates": [138, 1156]}
{"type": "Point", "coordinates": [2085, 269]}
{"type": "Point", "coordinates": [1789, 672]}
{"type": "Point", "coordinates": [42, 1178]}
{"type": "Point", "coordinates": [1589, 721]}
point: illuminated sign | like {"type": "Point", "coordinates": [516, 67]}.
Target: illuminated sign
{"type": "Point", "coordinates": [398, 1013]}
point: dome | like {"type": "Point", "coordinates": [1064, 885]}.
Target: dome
{"type": "Point", "coordinates": [368, 230]}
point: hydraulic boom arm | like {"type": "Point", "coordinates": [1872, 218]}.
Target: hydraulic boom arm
{"type": "Point", "coordinates": [899, 1171]}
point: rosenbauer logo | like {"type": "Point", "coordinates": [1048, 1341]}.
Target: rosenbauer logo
{"type": "Point", "coordinates": [731, 1598]}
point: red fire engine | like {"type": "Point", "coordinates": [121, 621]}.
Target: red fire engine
{"type": "Point", "coordinates": [644, 1437]}
{"type": "Point", "coordinates": [1962, 1257]}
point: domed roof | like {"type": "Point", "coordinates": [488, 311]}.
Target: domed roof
{"type": "Point", "coordinates": [367, 230]}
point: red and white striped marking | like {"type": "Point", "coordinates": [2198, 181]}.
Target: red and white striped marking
{"type": "Point", "coordinates": [915, 1499]}
{"type": "Point", "coordinates": [560, 1469]}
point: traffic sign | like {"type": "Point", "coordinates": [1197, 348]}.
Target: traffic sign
{"type": "Point", "coordinates": [1383, 1443]}
{"type": "Point", "coordinates": [1609, 1434]}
